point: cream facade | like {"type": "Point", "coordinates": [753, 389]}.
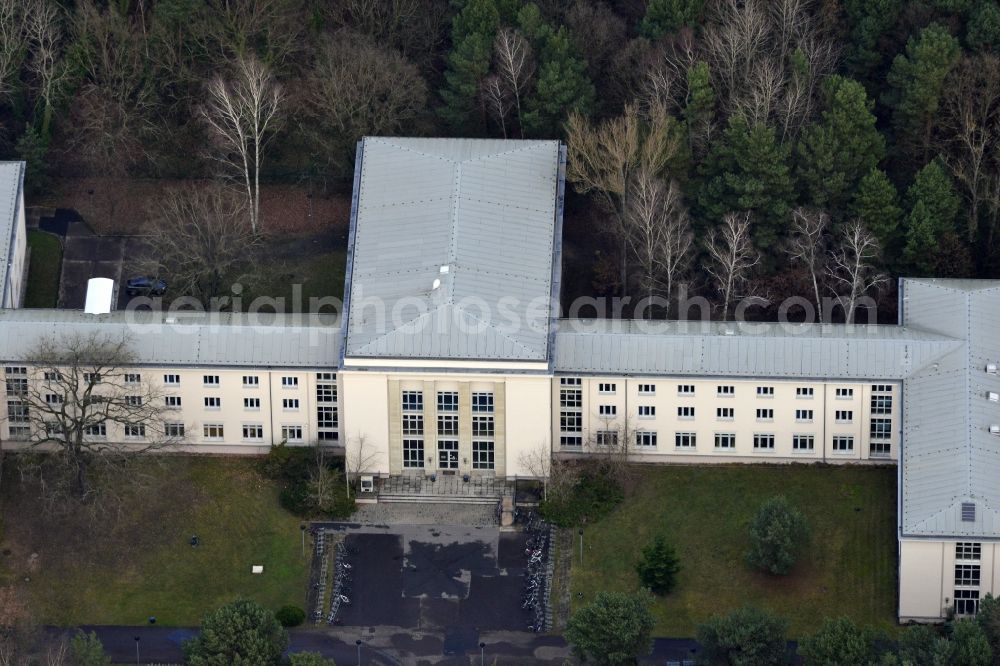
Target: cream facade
{"type": "Point", "coordinates": [938, 577]}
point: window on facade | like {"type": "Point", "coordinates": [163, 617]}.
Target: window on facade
{"type": "Point", "coordinates": [803, 442]}
{"type": "Point", "coordinates": [17, 385]}
{"type": "Point", "coordinates": [251, 403]}
{"type": "Point", "coordinates": [54, 399]}
{"type": "Point", "coordinates": [685, 440]}
{"type": "Point", "coordinates": [289, 382]}
{"type": "Point", "coordinates": [210, 380]}
{"type": "Point", "coordinates": [966, 602]}
{"type": "Point", "coordinates": [645, 438]}
{"type": "Point", "coordinates": [326, 418]}
{"type": "Point", "coordinates": [133, 400]}
{"type": "Point", "coordinates": [570, 398]}
{"type": "Point", "coordinates": [881, 429]}
{"type": "Point", "coordinates": [92, 377]}
{"type": "Point", "coordinates": [290, 404]}
{"type": "Point", "coordinates": [326, 392]}
{"type": "Point", "coordinates": [685, 412]}
{"type": "Point", "coordinates": [765, 414]}
{"type": "Point", "coordinates": [17, 411]}
{"type": "Point", "coordinates": [725, 413]}
{"type": "Point", "coordinates": [763, 441]}
{"type": "Point", "coordinates": [482, 426]}
{"type": "Point", "coordinates": [482, 402]}
{"type": "Point", "coordinates": [967, 574]}
{"type": "Point", "coordinates": [881, 388]}
{"type": "Point", "coordinates": [726, 391]}
{"type": "Point", "coordinates": [725, 440]}
{"type": "Point", "coordinates": [844, 415]}
{"type": "Point", "coordinates": [607, 410]}
{"type": "Point", "coordinates": [685, 389]}
{"type": "Point", "coordinates": [606, 388]}
{"type": "Point", "coordinates": [647, 389]}
{"type": "Point", "coordinates": [447, 401]}
{"type": "Point", "coordinates": [131, 378]}
{"type": "Point", "coordinates": [647, 411]}
{"type": "Point", "coordinates": [967, 550]}
{"type": "Point", "coordinates": [173, 429]}
{"type": "Point", "coordinates": [291, 433]}
{"type": "Point", "coordinates": [843, 443]}
{"type": "Point", "coordinates": [96, 430]}
{"type": "Point", "coordinates": [413, 453]}
{"type": "Point", "coordinates": [570, 440]}
{"type": "Point", "coordinates": [571, 422]}
{"type": "Point", "coordinates": [213, 431]}
{"type": "Point", "coordinates": [213, 402]}
{"type": "Point", "coordinates": [483, 454]}
{"type": "Point", "coordinates": [413, 401]}
{"type": "Point", "coordinates": [881, 404]}
{"type": "Point", "coordinates": [251, 381]}
{"type": "Point", "coordinates": [172, 380]}
{"type": "Point", "coordinates": [879, 449]}
{"type": "Point", "coordinates": [607, 437]}
{"type": "Point", "coordinates": [448, 424]}
{"type": "Point", "coordinates": [803, 415]}
{"type": "Point", "coordinates": [135, 430]}
{"type": "Point", "coordinates": [765, 391]}
{"type": "Point", "coordinates": [569, 381]}
{"type": "Point", "coordinates": [53, 376]}
{"type": "Point", "coordinates": [253, 431]}
{"type": "Point", "coordinates": [804, 392]}
{"type": "Point", "coordinates": [845, 393]}
{"type": "Point", "coordinates": [413, 424]}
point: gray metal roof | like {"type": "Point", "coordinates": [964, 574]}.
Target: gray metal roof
{"type": "Point", "coordinates": [185, 339]}
{"type": "Point", "coordinates": [730, 349]}
{"type": "Point", "coordinates": [949, 456]}
{"type": "Point", "coordinates": [11, 178]}
{"type": "Point", "coordinates": [479, 216]}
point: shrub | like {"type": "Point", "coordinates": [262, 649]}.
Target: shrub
{"type": "Point", "coordinates": [777, 535]}
{"type": "Point", "coordinates": [745, 636]}
{"type": "Point", "coordinates": [838, 642]}
{"type": "Point", "coordinates": [593, 495]}
{"type": "Point", "coordinates": [298, 468]}
{"type": "Point", "coordinates": [613, 629]}
{"type": "Point", "coordinates": [659, 566]}
{"type": "Point", "coordinates": [290, 616]}
{"type": "Point", "coordinates": [239, 632]}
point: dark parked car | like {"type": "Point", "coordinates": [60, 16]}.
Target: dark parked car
{"type": "Point", "coordinates": [145, 286]}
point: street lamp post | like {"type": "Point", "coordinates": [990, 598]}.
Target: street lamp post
{"type": "Point", "coordinates": [136, 651]}
{"type": "Point", "coordinates": [482, 654]}
{"type": "Point", "coordinates": [302, 528]}
{"type": "Point", "coordinates": [581, 546]}
{"type": "Point", "coordinates": [358, 643]}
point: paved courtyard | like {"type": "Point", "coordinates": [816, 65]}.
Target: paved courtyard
{"type": "Point", "coordinates": [455, 581]}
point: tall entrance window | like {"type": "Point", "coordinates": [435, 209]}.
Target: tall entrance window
{"type": "Point", "coordinates": [448, 454]}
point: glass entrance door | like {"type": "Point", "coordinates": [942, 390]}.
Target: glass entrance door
{"type": "Point", "coordinates": [447, 454]}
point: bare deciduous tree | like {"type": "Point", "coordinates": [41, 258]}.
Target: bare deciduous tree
{"type": "Point", "coordinates": [12, 43]}
{"type": "Point", "coordinates": [242, 113]}
{"type": "Point", "coordinates": [358, 457]}
{"type": "Point", "coordinates": [494, 94]}
{"type": "Point", "coordinates": [515, 66]}
{"type": "Point", "coordinates": [43, 27]}
{"type": "Point", "coordinates": [732, 258]}
{"type": "Point", "coordinates": [359, 88]}
{"type": "Point", "coordinates": [606, 159]}
{"type": "Point", "coordinates": [537, 461]}
{"type": "Point", "coordinates": [852, 268]}
{"type": "Point", "coordinates": [807, 244]}
{"type": "Point", "coordinates": [659, 234]}
{"type": "Point", "coordinates": [85, 407]}
{"type": "Point", "coordinates": [202, 238]}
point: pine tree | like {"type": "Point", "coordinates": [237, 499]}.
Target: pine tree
{"type": "Point", "coordinates": [916, 81]}
{"type": "Point", "coordinates": [562, 87]}
{"type": "Point", "coordinates": [664, 17]}
{"type": "Point", "coordinates": [836, 152]}
{"type": "Point", "coordinates": [983, 29]}
{"type": "Point", "coordinates": [934, 207]}
{"type": "Point", "coordinates": [468, 64]}
{"type": "Point", "coordinates": [870, 21]}
{"type": "Point", "coordinates": [700, 102]}
{"type": "Point", "coordinates": [659, 566]}
{"type": "Point", "coordinates": [747, 170]}
{"type": "Point", "coordinates": [876, 203]}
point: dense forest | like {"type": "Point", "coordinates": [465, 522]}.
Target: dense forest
{"type": "Point", "coordinates": [780, 146]}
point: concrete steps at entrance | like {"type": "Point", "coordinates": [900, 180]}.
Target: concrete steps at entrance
{"type": "Point", "coordinates": [438, 499]}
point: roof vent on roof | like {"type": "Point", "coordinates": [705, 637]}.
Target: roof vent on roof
{"type": "Point", "coordinates": [436, 284]}
{"type": "Point", "coordinates": [968, 512]}
{"type": "Point", "coordinates": [100, 296]}
{"type": "Point", "coordinates": [991, 368]}
{"type": "Point", "coordinates": [995, 429]}
{"type": "Point", "coordinates": [993, 396]}
{"type": "Point", "coordinates": [444, 269]}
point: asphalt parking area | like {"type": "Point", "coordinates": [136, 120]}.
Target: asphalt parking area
{"type": "Point", "coordinates": [453, 580]}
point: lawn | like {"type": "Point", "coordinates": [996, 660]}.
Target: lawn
{"type": "Point", "coordinates": [318, 275]}
{"type": "Point", "coordinates": [43, 270]}
{"type": "Point", "coordinates": [848, 569]}
{"type": "Point", "coordinates": [143, 564]}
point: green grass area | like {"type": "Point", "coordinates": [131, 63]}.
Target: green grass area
{"type": "Point", "coordinates": [123, 571]}
{"type": "Point", "coordinates": [318, 276]}
{"type": "Point", "coordinates": [43, 270]}
{"type": "Point", "coordinates": [848, 568]}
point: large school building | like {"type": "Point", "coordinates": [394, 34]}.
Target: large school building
{"type": "Point", "coordinates": [452, 357]}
